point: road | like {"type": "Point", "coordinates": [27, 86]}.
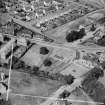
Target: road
{"type": "Point", "coordinates": [27, 25]}
{"type": "Point", "coordinates": [66, 47]}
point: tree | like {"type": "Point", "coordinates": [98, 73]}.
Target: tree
{"type": "Point", "coordinates": [44, 51]}
{"type": "Point", "coordinates": [103, 64]}
{"type": "Point", "coordinates": [75, 35]}
{"type": "Point", "coordinates": [4, 102]}
{"type": "Point", "coordinates": [6, 38]}
{"type": "Point", "coordinates": [101, 41]}
{"type": "Point", "coordinates": [19, 65]}
{"type": "Point", "coordinates": [15, 31]}
{"type": "Point", "coordinates": [64, 94]}
{"type": "Point", "coordinates": [93, 28]}
{"type": "Point", "coordinates": [69, 79]}
{"type": "Point", "coordinates": [35, 70]}
{"type": "Point", "coordinates": [2, 5]}
{"type": "Point", "coordinates": [54, 25]}
{"type": "Point", "coordinates": [47, 62]}
{"type": "Point", "coordinates": [97, 72]}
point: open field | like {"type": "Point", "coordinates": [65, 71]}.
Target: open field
{"type": "Point", "coordinates": [60, 58]}
{"type": "Point", "coordinates": [75, 70]}
{"type": "Point", "coordinates": [25, 84]}
{"type": "Point", "coordinates": [4, 18]}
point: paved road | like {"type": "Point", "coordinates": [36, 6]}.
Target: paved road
{"type": "Point", "coordinates": [69, 47]}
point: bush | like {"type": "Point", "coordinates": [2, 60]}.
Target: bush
{"type": "Point", "coordinates": [97, 72]}
{"type": "Point", "coordinates": [2, 4]}
{"type": "Point", "coordinates": [94, 74]}
{"type": "Point", "coordinates": [44, 51]}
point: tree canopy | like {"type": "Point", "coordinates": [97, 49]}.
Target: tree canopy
{"type": "Point", "coordinates": [44, 51]}
{"type": "Point", "coordinates": [64, 94]}
{"type": "Point", "coordinates": [75, 35]}
{"type": "Point", "coordinates": [47, 62]}
{"type": "Point", "coordinates": [101, 41]}
{"type": "Point", "coordinates": [69, 79]}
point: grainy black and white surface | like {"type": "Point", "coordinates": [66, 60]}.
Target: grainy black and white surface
{"type": "Point", "coordinates": [52, 52]}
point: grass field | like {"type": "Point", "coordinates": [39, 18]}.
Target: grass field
{"type": "Point", "coordinates": [25, 84]}
{"type": "Point", "coordinates": [24, 100]}
{"type": "Point", "coordinates": [33, 56]}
